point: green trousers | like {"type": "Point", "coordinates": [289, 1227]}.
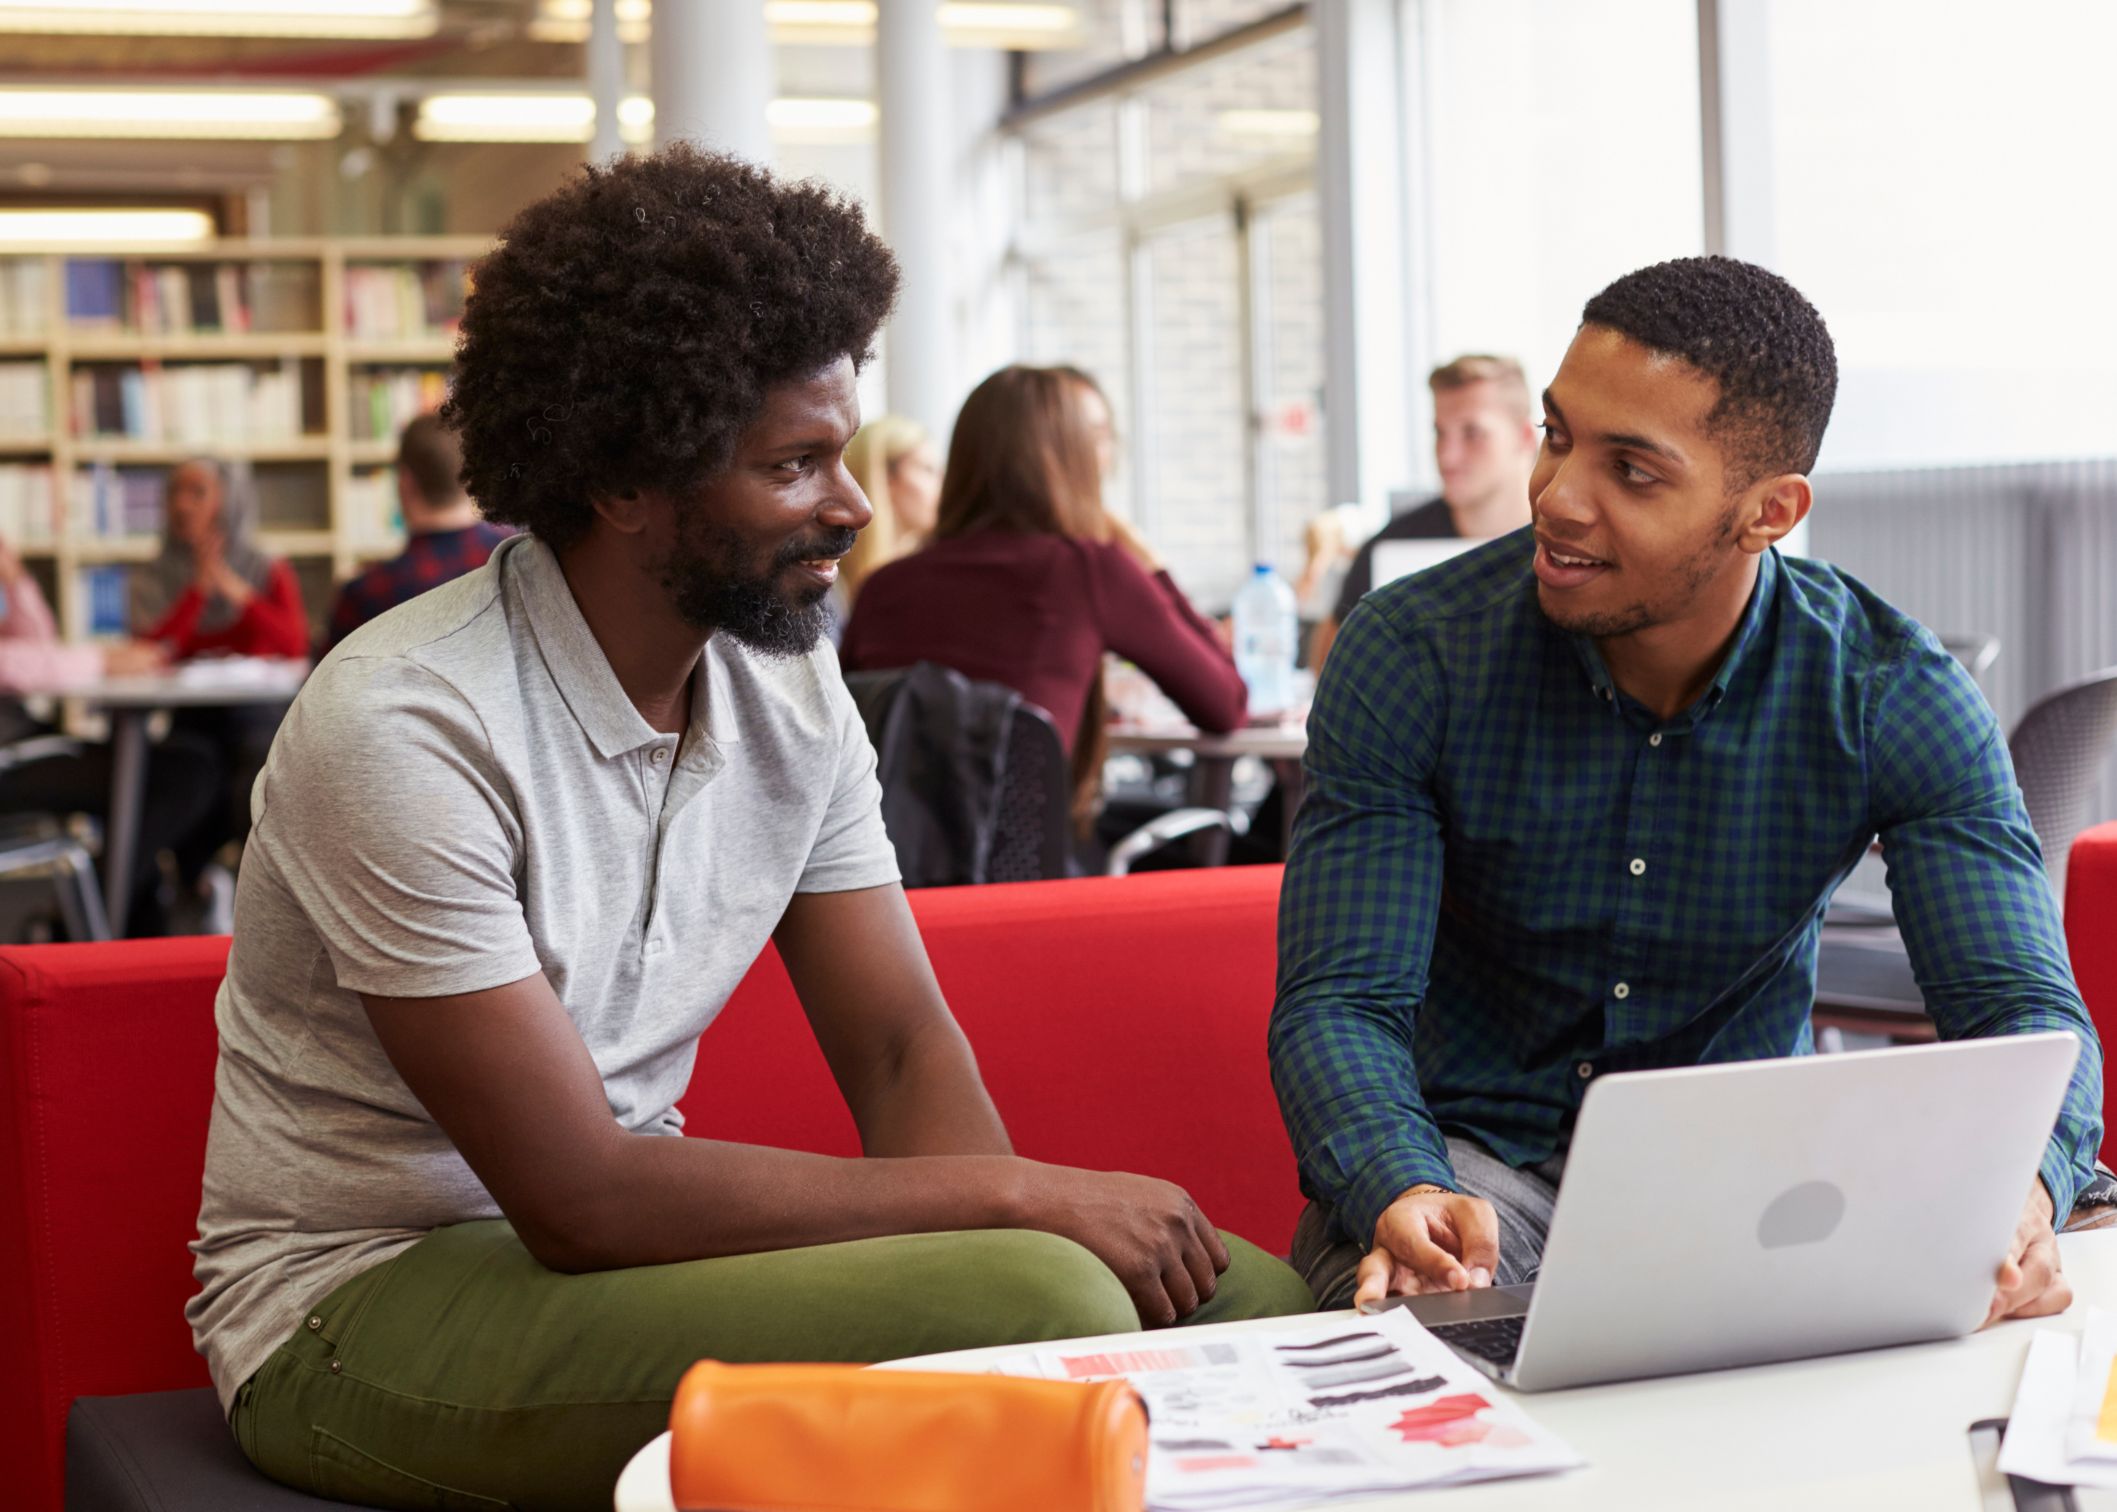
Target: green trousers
{"type": "Point", "coordinates": [463, 1374]}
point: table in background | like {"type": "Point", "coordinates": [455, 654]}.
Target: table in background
{"type": "Point", "coordinates": [1212, 775]}
{"type": "Point", "coordinates": [131, 702]}
{"type": "Point", "coordinates": [1886, 1428]}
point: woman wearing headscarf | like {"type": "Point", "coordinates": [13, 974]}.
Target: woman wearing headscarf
{"type": "Point", "coordinates": [213, 590]}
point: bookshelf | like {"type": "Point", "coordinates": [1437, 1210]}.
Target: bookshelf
{"type": "Point", "coordinates": [300, 356]}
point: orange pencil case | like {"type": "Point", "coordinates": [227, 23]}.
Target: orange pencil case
{"type": "Point", "coordinates": [830, 1438]}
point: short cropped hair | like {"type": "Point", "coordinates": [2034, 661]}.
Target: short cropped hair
{"type": "Point", "coordinates": [430, 452]}
{"type": "Point", "coordinates": [1752, 333]}
{"type": "Point", "coordinates": [1503, 373]}
{"type": "Point", "coordinates": [624, 331]}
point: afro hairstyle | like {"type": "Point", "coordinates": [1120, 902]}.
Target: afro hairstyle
{"type": "Point", "coordinates": [1752, 333]}
{"type": "Point", "coordinates": [624, 331]}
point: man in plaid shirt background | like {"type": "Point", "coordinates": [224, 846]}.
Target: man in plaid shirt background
{"type": "Point", "coordinates": [1578, 798]}
{"type": "Point", "coordinates": [447, 538]}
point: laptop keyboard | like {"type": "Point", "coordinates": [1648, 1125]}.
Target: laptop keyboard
{"type": "Point", "coordinates": [1496, 1339]}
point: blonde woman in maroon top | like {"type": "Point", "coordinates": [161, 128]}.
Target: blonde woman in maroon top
{"type": "Point", "coordinates": [1028, 580]}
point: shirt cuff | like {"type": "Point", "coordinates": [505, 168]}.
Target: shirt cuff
{"type": "Point", "coordinates": [1383, 1180]}
{"type": "Point", "coordinates": [2063, 1180]}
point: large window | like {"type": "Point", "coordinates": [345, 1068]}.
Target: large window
{"type": "Point", "coordinates": [1941, 191]}
{"type": "Point", "coordinates": [1170, 244]}
{"type": "Point", "coordinates": [1561, 150]}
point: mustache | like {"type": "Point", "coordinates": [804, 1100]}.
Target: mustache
{"type": "Point", "coordinates": [833, 543]}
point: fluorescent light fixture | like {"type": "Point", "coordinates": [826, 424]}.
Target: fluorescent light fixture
{"type": "Point", "coordinates": [254, 114]}
{"type": "Point", "coordinates": [559, 117]}
{"type": "Point", "coordinates": [1015, 27]}
{"type": "Point", "coordinates": [551, 117]}
{"type": "Point", "coordinates": [567, 20]}
{"type": "Point", "coordinates": [130, 228]}
{"type": "Point", "coordinates": [223, 18]}
{"type": "Point", "coordinates": [1280, 125]}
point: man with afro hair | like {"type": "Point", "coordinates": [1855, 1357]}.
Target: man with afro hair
{"type": "Point", "coordinates": [517, 842]}
{"type": "Point", "coordinates": [1577, 800]}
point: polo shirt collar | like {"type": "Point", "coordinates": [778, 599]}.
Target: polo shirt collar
{"type": "Point", "coordinates": [1747, 633]}
{"type": "Point", "coordinates": [582, 673]}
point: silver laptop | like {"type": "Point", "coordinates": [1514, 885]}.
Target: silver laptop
{"type": "Point", "coordinates": [1395, 559]}
{"type": "Point", "coordinates": [1773, 1210]}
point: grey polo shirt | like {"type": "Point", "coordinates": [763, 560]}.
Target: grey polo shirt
{"type": "Point", "coordinates": [463, 796]}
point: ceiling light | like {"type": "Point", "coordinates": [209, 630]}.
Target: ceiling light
{"type": "Point", "coordinates": [1281, 125]}
{"type": "Point", "coordinates": [821, 120]}
{"type": "Point", "coordinates": [257, 114]}
{"type": "Point", "coordinates": [558, 117]}
{"type": "Point", "coordinates": [505, 118]}
{"type": "Point", "coordinates": [78, 228]}
{"type": "Point", "coordinates": [567, 20]}
{"type": "Point", "coordinates": [1012, 27]}
{"type": "Point", "coordinates": [224, 18]}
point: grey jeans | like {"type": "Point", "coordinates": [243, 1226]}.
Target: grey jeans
{"type": "Point", "coordinates": [1523, 1199]}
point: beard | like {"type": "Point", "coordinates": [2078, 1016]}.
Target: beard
{"type": "Point", "coordinates": [715, 582]}
{"type": "Point", "coordinates": [1687, 578]}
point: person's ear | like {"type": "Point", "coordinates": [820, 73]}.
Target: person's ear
{"type": "Point", "coordinates": [627, 513]}
{"type": "Point", "coordinates": [1778, 505]}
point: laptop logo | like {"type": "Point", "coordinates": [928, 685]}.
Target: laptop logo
{"type": "Point", "coordinates": [1806, 1214]}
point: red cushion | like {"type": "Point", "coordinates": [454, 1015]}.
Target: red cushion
{"type": "Point", "coordinates": [1119, 1025]}
{"type": "Point", "coordinates": [2091, 936]}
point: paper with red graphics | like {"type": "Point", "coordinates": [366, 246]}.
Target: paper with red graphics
{"type": "Point", "coordinates": [1348, 1408]}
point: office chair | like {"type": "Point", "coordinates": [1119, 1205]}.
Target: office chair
{"type": "Point", "coordinates": [2061, 749]}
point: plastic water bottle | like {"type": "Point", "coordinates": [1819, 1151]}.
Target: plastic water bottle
{"type": "Point", "coordinates": [1266, 629]}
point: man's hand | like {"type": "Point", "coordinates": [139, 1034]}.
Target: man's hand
{"type": "Point", "coordinates": [2031, 1284]}
{"type": "Point", "coordinates": [1430, 1240]}
{"type": "Point", "coordinates": [1149, 1232]}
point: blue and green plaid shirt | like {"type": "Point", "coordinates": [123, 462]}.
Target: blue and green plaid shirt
{"type": "Point", "coordinates": [1509, 878]}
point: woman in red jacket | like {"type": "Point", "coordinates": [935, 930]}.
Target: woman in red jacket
{"type": "Point", "coordinates": [1029, 580]}
{"type": "Point", "coordinates": [212, 591]}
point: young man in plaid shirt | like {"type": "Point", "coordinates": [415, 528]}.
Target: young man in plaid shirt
{"type": "Point", "coordinates": [447, 536]}
{"type": "Point", "coordinates": [1577, 800]}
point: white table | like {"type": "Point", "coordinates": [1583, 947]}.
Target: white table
{"type": "Point", "coordinates": [1851, 1433]}
{"type": "Point", "coordinates": [130, 702]}
{"type": "Point", "coordinates": [1213, 771]}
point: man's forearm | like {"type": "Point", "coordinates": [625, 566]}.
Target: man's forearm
{"type": "Point", "coordinates": [654, 1200]}
{"type": "Point", "coordinates": [928, 1100]}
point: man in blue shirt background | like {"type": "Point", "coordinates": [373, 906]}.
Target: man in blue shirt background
{"type": "Point", "coordinates": [1578, 798]}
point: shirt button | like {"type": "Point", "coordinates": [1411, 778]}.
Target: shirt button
{"type": "Point", "coordinates": [1654, 739]}
{"type": "Point", "coordinates": [661, 754]}
{"type": "Point", "coordinates": [1639, 867]}
{"type": "Point", "coordinates": [1621, 990]}
{"type": "Point", "coordinates": [1585, 1070]}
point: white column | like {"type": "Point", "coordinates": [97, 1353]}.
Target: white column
{"type": "Point", "coordinates": [712, 75]}
{"type": "Point", "coordinates": [606, 80]}
{"type": "Point", "coordinates": [1361, 176]}
{"type": "Point", "coordinates": [1735, 128]}
{"type": "Point", "coordinates": [918, 162]}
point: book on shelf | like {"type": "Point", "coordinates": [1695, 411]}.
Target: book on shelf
{"type": "Point", "coordinates": [405, 301]}
{"type": "Point", "coordinates": [107, 590]}
{"type": "Point", "coordinates": [203, 404]}
{"type": "Point", "coordinates": [384, 400]}
{"type": "Point", "coordinates": [191, 298]}
{"type": "Point", "coordinates": [373, 515]}
{"type": "Point", "coordinates": [111, 503]}
{"type": "Point", "coordinates": [22, 312]}
{"type": "Point", "coordinates": [29, 510]}
{"type": "Point", "coordinates": [25, 401]}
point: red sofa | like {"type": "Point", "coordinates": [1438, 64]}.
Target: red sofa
{"type": "Point", "coordinates": [2091, 935]}
{"type": "Point", "coordinates": [1119, 1024]}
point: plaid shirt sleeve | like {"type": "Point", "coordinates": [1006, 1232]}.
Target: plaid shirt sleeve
{"type": "Point", "coordinates": [1356, 927]}
{"type": "Point", "coordinates": [1969, 888]}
